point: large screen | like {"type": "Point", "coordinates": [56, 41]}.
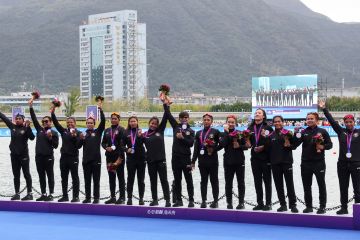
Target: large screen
{"type": "Point", "coordinates": [289, 96]}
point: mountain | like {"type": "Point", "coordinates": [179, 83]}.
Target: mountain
{"type": "Point", "coordinates": [210, 46]}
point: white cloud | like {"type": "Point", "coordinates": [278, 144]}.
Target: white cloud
{"type": "Point", "coordinates": [337, 10]}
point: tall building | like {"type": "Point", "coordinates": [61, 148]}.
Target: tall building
{"type": "Point", "coordinates": [113, 56]}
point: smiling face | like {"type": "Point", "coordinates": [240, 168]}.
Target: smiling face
{"type": "Point", "coordinates": [231, 122]}
{"type": "Point", "coordinates": [278, 123]}
{"type": "Point", "coordinates": [312, 120]}
{"type": "Point", "coordinates": [70, 123]}
{"type": "Point", "coordinates": [133, 123]}
{"type": "Point", "coordinates": [46, 122]}
{"type": "Point", "coordinates": [259, 116]}
{"type": "Point", "coordinates": [207, 121]}
{"type": "Point", "coordinates": [349, 123]}
{"type": "Point", "coordinates": [90, 123]}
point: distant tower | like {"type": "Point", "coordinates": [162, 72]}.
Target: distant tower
{"type": "Point", "coordinates": [113, 56]}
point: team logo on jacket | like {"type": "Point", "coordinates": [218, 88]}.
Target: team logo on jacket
{"type": "Point", "coordinates": [157, 134]}
{"type": "Point", "coordinates": [93, 134]}
{"type": "Point", "coordinates": [22, 132]}
{"type": "Point", "coordinates": [187, 133]}
{"type": "Point", "coordinates": [211, 136]}
{"type": "Point", "coordinates": [355, 135]}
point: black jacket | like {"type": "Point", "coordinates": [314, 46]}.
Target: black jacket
{"type": "Point", "coordinates": [154, 143]}
{"type": "Point", "coordinates": [264, 155]}
{"type": "Point", "coordinates": [70, 144]}
{"type": "Point", "coordinates": [278, 153]}
{"type": "Point", "coordinates": [342, 134]}
{"type": "Point", "coordinates": [92, 142]}
{"type": "Point", "coordinates": [19, 137]}
{"type": "Point", "coordinates": [139, 155]}
{"type": "Point", "coordinates": [180, 146]}
{"type": "Point", "coordinates": [232, 156]}
{"type": "Point", "coordinates": [309, 152]}
{"type": "Point", "coordinates": [117, 133]}
{"type": "Point", "coordinates": [44, 145]}
{"type": "Point", "coordinates": [206, 159]}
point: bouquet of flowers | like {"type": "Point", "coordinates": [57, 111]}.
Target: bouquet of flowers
{"type": "Point", "coordinates": [286, 133]}
{"type": "Point", "coordinates": [35, 95]}
{"type": "Point", "coordinates": [235, 134]}
{"type": "Point", "coordinates": [99, 98]}
{"type": "Point", "coordinates": [246, 134]}
{"type": "Point", "coordinates": [209, 143]}
{"type": "Point", "coordinates": [318, 140]}
{"type": "Point", "coordinates": [56, 102]}
{"type": "Point", "coordinates": [165, 89]}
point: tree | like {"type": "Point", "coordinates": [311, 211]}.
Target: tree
{"type": "Point", "coordinates": [73, 102]}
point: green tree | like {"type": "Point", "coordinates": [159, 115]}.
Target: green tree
{"type": "Point", "coordinates": [73, 102]}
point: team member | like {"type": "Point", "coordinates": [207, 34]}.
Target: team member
{"type": "Point", "coordinates": [349, 157]}
{"type": "Point", "coordinates": [156, 158]}
{"type": "Point", "coordinates": [314, 141]}
{"type": "Point", "coordinates": [260, 161]}
{"type": "Point", "coordinates": [46, 140]}
{"type": "Point", "coordinates": [205, 149]}
{"type": "Point", "coordinates": [135, 159]}
{"type": "Point", "coordinates": [183, 140]}
{"type": "Point", "coordinates": [115, 155]}
{"type": "Point", "coordinates": [20, 134]}
{"type": "Point", "coordinates": [91, 156]}
{"type": "Point", "coordinates": [280, 145]}
{"type": "Point", "coordinates": [69, 160]}
{"type": "Point", "coordinates": [234, 161]}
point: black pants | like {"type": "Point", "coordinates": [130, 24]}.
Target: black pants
{"type": "Point", "coordinates": [307, 171]}
{"type": "Point", "coordinates": [137, 168]}
{"type": "Point", "coordinates": [121, 177]}
{"type": "Point", "coordinates": [230, 171]}
{"type": "Point", "coordinates": [211, 171]}
{"type": "Point", "coordinates": [180, 165]}
{"type": "Point", "coordinates": [45, 167]}
{"type": "Point", "coordinates": [262, 173]}
{"type": "Point", "coordinates": [281, 171]}
{"type": "Point", "coordinates": [70, 164]}
{"type": "Point", "coordinates": [345, 170]}
{"type": "Point", "coordinates": [19, 162]}
{"type": "Point", "coordinates": [156, 168]}
{"type": "Point", "coordinates": [92, 170]}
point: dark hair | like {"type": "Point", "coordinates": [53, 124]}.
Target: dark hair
{"type": "Point", "coordinates": [154, 118]}
{"type": "Point", "coordinates": [71, 118]}
{"type": "Point", "coordinates": [278, 116]}
{"type": "Point", "coordinates": [315, 114]}
{"type": "Point", "coordinates": [115, 114]}
{"type": "Point", "coordinates": [132, 117]}
{"type": "Point", "coordinates": [264, 119]}
{"type": "Point", "coordinates": [48, 117]}
{"type": "Point", "coordinates": [91, 119]}
{"type": "Point", "coordinates": [183, 114]}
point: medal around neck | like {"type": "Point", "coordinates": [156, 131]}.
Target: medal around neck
{"type": "Point", "coordinates": [202, 152]}
{"type": "Point", "coordinates": [113, 147]}
{"type": "Point", "coordinates": [348, 155]}
{"type": "Point", "coordinates": [184, 126]}
{"type": "Point", "coordinates": [267, 132]}
{"type": "Point", "coordinates": [298, 135]}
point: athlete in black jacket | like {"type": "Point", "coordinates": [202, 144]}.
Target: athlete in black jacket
{"type": "Point", "coordinates": [69, 160]}
{"type": "Point", "coordinates": [19, 152]}
{"type": "Point", "coordinates": [156, 158]}
{"type": "Point", "coordinates": [135, 159]}
{"type": "Point", "coordinates": [260, 161]}
{"type": "Point", "coordinates": [114, 153]}
{"type": "Point", "coordinates": [234, 161]}
{"type": "Point", "coordinates": [206, 147]}
{"type": "Point", "coordinates": [46, 140]}
{"type": "Point", "coordinates": [183, 140]}
{"type": "Point", "coordinates": [280, 145]}
{"type": "Point", "coordinates": [91, 156]}
{"type": "Point", "coordinates": [313, 160]}
{"type": "Point", "coordinates": [349, 157]}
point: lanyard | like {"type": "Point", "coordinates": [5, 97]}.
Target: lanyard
{"type": "Point", "coordinates": [203, 138]}
{"type": "Point", "coordinates": [112, 135]}
{"type": "Point", "coordinates": [348, 140]}
{"type": "Point", "coordinates": [257, 133]}
{"type": "Point", "coordinates": [133, 138]}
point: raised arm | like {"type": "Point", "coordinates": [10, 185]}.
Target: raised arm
{"type": "Point", "coordinates": [101, 127]}
{"type": "Point", "coordinates": [162, 124]}
{"type": "Point", "coordinates": [337, 128]}
{"type": "Point", "coordinates": [34, 119]}
{"type": "Point", "coordinates": [57, 125]}
{"type": "Point", "coordinates": [8, 123]}
{"type": "Point", "coordinates": [169, 116]}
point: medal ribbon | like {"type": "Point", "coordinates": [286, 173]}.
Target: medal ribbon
{"type": "Point", "coordinates": [257, 133]}
{"type": "Point", "coordinates": [203, 138]}
{"type": "Point", "coordinates": [112, 135]}
{"type": "Point", "coordinates": [133, 138]}
{"type": "Point", "coordinates": [348, 141]}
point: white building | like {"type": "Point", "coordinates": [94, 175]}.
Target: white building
{"type": "Point", "coordinates": [113, 56]}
